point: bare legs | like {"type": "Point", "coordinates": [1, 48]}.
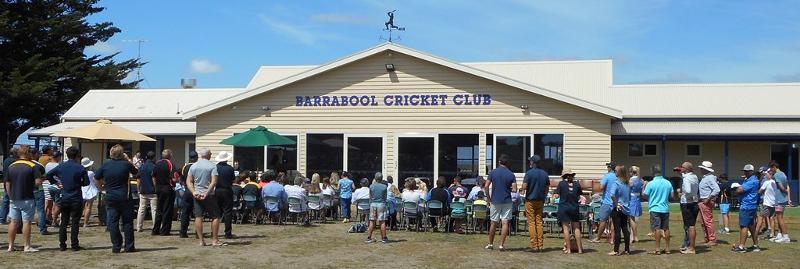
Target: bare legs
{"type": "Point", "coordinates": [198, 226]}
{"type": "Point", "coordinates": [503, 233]}
{"type": "Point", "coordinates": [632, 224]}
{"type": "Point", "coordinates": [87, 211]}
{"type": "Point", "coordinates": [576, 230]}
{"type": "Point", "coordinates": [26, 233]}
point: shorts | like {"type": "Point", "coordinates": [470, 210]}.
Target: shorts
{"type": "Point", "coordinates": [689, 211]}
{"type": "Point", "coordinates": [724, 209]}
{"type": "Point", "coordinates": [768, 211]}
{"type": "Point", "coordinates": [377, 211]}
{"type": "Point", "coordinates": [779, 208]}
{"type": "Point", "coordinates": [659, 221]}
{"type": "Point", "coordinates": [501, 212]}
{"type": "Point", "coordinates": [605, 213]}
{"type": "Point", "coordinates": [746, 217]}
{"type": "Point", "coordinates": [21, 210]}
{"type": "Point", "coordinates": [208, 206]}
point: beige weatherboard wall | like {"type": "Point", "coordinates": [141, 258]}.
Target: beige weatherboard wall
{"type": "Point", "coordinates": [587, 139]}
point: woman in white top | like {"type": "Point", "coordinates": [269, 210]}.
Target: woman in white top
{"type": "Point", "coordinates": [411, 194]}
{"type": "Point", "coordinates": [314, 190]}
{"type": "Point", "coordinates": [89, 191]}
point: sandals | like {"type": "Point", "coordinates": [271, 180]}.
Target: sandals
{"type": "Point", "coordinates": [654, 252]}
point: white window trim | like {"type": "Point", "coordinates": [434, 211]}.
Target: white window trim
{"type": "Point", "coordinates": [296, 152]}
{"type": "Point", "coordinates": [376, 135]}
{"type": "Point", "coordinates": [686, 149]}
{"type": "Point", "coordinates": [186, 148]}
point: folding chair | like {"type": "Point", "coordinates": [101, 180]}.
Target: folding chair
{"type": "Point", "coordinates": [327, 207]}
{"type": "Point", "coordinates": [314, 201]}
{"type": "Point", "coordinates": [272, 201]}
{"type": "Point", "coordinates": [549, 217]}
{"type": "Point", "coordinates": [251, 210]}
{"type": "Point", "coordinates": [297, 209]}
{"type": "Point", "coordinates": [583, 214]}
{"type": "Point", "coordinates": [433, 205]}
{"type": "Point", "coordinates": [237, 208]}
{"type": "Point", "coordinates": [362, 209]}
{"type": "Point", "coordinates": [411, 212]}
{"type": "Point", "coordinates": [522, 218]}
{"type": "Point", "coordinates": [480, 213]}
{"type": "Point", "coordinates": [457, 212]}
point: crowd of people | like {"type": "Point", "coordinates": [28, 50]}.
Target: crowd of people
{"type": "Point", "coordinates": [62, 193]}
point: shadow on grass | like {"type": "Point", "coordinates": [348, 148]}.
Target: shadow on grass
{"type": "Point", "coordinates": [240, 243]}
{"type": "Point", "coordinates": [250, 236]}
{"type": "Point", "coordinates": [154, 249]}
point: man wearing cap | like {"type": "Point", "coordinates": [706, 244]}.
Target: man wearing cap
{"type": "Point", "coordinates": [535, 186]}
{"type": "Point", "coordinates": [377, 207]}
{"type": "Point", "coordinates": [689, 209]}
{"type": "Point", "coordinates": [164, 174]}
{"type": "Point", "coordinates": [748, 204]}
{"type": "Point", "coordinates": [202, 182]}
{"type": "Point", "coordinates": [709, 190]}
{"type": "Point", "coordinates": [606, 204]}
{"type": "Point", "coordinates": [72, 176]}
{"type": "Point", "coordinates": [224, 192]}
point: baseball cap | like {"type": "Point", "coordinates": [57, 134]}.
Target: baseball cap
{"type": "Point", "coordinates": [610, 164]}
{"type": "Point", "coordinates": [748, 167]}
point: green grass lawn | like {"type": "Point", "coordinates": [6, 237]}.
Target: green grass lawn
{"type": "Point", "coordinates": [329, 246]}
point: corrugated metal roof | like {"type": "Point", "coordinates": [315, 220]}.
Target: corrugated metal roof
{"type": "Point", "coordinates": [143, 103]}
{"type": "Point", "coordinates": [746, 100]}
{"type": "Point", "coordinates": [142, 127]}
{"type": "Point", "coordinates": [706, 128]}
{"type": "Point", "coordinates": [588, 80]}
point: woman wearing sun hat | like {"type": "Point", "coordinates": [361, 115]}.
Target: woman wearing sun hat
{"type": "Point", "coordinates": [568, 192]}
{"type": "Point", "coordinates": [89, 191]}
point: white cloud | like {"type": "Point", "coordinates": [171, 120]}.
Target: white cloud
{"type": "Point", "coordinates": [204, 66]}
{"type": "Point", "coordinates": [292, 31]}
{"type": "Point", "coordinates": [102, 48]}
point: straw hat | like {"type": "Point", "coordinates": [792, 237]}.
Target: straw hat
{"type": "Point", "coordinates": [707, 166]}
{"type": "Point", "coordinates": [224, 156]}
{"type": "Point", "coordinates": [86, 162]}
{"type": "Point", "coordinates": [567, 171]}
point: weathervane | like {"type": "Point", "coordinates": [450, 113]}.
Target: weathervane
{"type": "Point", "coordinates": [391, 27]}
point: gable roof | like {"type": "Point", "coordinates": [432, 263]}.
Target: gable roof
{"type": "Point", "coordinates": [142, 104]}
{"type": "Point", "coordinates": [256, 90]}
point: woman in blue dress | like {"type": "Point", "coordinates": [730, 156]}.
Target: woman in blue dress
{"type": "Point", "coordinates": [637, 186]}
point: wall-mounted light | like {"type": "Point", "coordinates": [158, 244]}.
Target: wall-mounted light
{"type": "Point", "coordinates": [266, 108]}
{"type": "Point", "coordinates": [523, 107]}
{"type": "Point", "coordinates": [234, 107]}
{"type": "Point", "coordinates": [390, 68]}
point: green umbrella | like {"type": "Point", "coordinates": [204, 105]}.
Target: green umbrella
{"type": "Point", "coordinates": [257, 137]}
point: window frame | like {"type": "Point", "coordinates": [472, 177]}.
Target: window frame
{"type": "Point", "coordinates": [699, 150]}
{"type": "Point", "coordinates": [384, 152]}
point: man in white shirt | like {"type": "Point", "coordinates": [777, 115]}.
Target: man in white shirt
{"type": "Point", "coordinates": [362, 193]}
{"type": "Point", "coordinates": [297, 191]}
{"type": "Point", "coordinates": [689, 208]}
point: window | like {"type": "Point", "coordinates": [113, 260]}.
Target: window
{"type": "Point", "coordinates": [551, 148]}
{"type": "Point", "coordinates": [780, 153]}
{"type": "Point", "coordinates": [190, 147]}
{"type": "Point", "coordinates": [415, 159]}
{"type": "Point", "coordinates": [516, 149]}
{"type": "Point", "coordinates": [458, 156]}
{"type": "Point", "coordinates": [146, 146]}
{"type": "Point", "coordinates": [489, 152]}
{"type": "Point", "coordinates": [249, 158]}
{"type": "Point", "coordinates": [127, 146]}
{"type": "Point", "coordinates": [693, 150]}
{"type": "Point", "coordinates": [283, 158]}
{"type": "Point", "coordinates": [324, 153]}
{"type": "Point", "coordinates": [364, 156]}
{"type": "Point", "coordinates": [650, 150]}
{"type": "Point", "coordinates": [635, 150]}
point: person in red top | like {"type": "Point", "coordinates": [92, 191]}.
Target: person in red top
{"type": "Point", "coordinates": [165, 175]}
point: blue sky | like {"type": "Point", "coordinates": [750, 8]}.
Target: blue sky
{"type": "Point", "coordinates": [222, 43]}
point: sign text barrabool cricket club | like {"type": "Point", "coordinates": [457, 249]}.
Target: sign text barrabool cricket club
{"type": "Point", "coordinates": [398, 100]}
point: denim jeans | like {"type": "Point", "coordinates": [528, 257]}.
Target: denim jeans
{"type": "Point", "coordinates": [345, 204]}
{"type": "Point", "coordinates": [186, 211]}
{"type": "Point", "coordinates": [116, 211]}
{"type": "Point", "coordinates": [39, 198]}
{"type": "Point", "coordinates": [4, 208]}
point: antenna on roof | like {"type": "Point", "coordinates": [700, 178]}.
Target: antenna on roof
{"type": "Point", "coordinates": [391, 27]}
{"type": "Point", "coordinates": [138, 55]}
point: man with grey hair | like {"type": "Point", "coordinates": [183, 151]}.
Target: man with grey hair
{"type": "Point", "coordinates": [658, 192]}
{"type": "Point", "coordinates": [361, 193]}
{"type": "Point", "coordinates": [297, 191]}
{"type": "Point", "coordinates": [165, 175]}
{"type": "Point", "coordinates": [689, 208]}
{"type": "Point", "coordinates": [378, 192]}
{"type": "Point", "coordinates": [201, 182]}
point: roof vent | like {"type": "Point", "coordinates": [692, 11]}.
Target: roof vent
{"type": "Point", "coordinates": [188, 83]}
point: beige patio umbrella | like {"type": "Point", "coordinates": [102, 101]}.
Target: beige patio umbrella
{"type": "Point", "coordinates": [103, 130]}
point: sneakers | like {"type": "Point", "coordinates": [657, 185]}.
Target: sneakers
{"type": "Point", "coordinates": [755, 248]}
{"type": "Point", "coordinates": [727, 230]}
{"type": "Point", "coordinates": [385, 240]}
{"type": "Point", "coordinates": [489, 247]}
{"type": "Point", "coordinates": [739, 249]}
{"type": "Point", "coordinates": [782, 239]}
{"type": "Point", "coordinates": [369, 240]}
{"type": "Point", "coordinates": [345, 220]}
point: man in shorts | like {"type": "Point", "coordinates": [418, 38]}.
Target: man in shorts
{"type": "Point", "coordinates": [501, 180]}
{"type": "Point", "coordinates": [606, 204]}
{"type": "Point", "coordinates": [658, 192]}
{"type": "Point", "coordinates": [20, 181]}
{"type": "Point", "coordinates": [767, 192]}
{"type": "Point", "coordinates": [201, 182]}
{"type": "Point", "coordinates": [782, 199]}
{"type": "Point", "coordinates": [748, 197]}
{"type": "Point", "coordinates": [377, 207]}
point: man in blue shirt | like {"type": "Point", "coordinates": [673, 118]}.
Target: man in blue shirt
{"type": "Point", "coordinates": [606, 204]}
{"type": "Point", "coordinates": [658, 192]}
{"type": "Point", "coordinates": [501, 181]}
{"type": "Point", "coordinates": [345, 194]}
{"type": "Point", "coordinates": [72, 176]}
{"type": "Point", "coordinates": [273, 189]}
{"type": "Point", "coordinates": [114, 177]}
{"type": "Point", "coordinates": [748, 204]}
{"type": "Point", "coordinates": [147, 191]}
{"type": "Point", "coordinates": [535, 186]}
{"type": "Point", "coordinates": [782, 200]}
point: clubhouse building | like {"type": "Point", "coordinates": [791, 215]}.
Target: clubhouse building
{"type": "Point", "coordinates": [407, 113]}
